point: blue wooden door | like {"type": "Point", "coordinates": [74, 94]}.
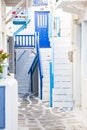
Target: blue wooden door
{"type": "Point", "coordinates": [2, 107]}
{"type": "Point", "coordinates": [41, 26]}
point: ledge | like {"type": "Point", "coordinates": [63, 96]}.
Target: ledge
{"type": "Point", "coordinates": [72, 6]}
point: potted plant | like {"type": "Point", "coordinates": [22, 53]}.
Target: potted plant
{"type": "Point", "coordinates": [3, 64]}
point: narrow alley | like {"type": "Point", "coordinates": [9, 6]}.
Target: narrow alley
{"type": "Point", "coordinates": [35, 114]}
{"type": "Point", "coordinates": [43, 65]}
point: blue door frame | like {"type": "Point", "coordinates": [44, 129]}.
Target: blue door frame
{"type": "Point", "coordinates": [2, 107]}
{"type": "Point", "coordinates": [41, 26]}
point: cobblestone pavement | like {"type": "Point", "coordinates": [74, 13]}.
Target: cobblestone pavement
{"type": "Point", "coordinates": [35, 114]}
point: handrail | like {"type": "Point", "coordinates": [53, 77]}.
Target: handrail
{"type": "Point", "coordinates": [32, 69]}
{"type": "Point", "coordinates": [51, 83]}
{"type": "Point", "coordinates": [21, 55]}
{"type": "Point", "coordinates": [39, 63]}
{"type": "Point", "coordinates": [23, 41]}
{"type": "Point", "coordinates": [33, 65]}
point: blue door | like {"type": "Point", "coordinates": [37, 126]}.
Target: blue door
{"type": "Point", "coordinates": [41, 26]}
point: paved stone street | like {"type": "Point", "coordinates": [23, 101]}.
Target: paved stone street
{"type": "Point", "coordinates": [35, 114]}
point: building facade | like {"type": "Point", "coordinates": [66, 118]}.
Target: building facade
{"type": "Point", "coordinates": [78, 9]}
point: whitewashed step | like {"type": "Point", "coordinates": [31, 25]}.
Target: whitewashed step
{"type": "Point", "coordinates": [61, 42]}
{"type": "Point", "coordinates": [61, 49]}
{"type": "Point", "coordinates": [63, 66]}
{"type": "Point", "coordinates": [63, 55]}
{"type": "Point", "coordinates": [63, 104]}
{"type": "Point", "coordinates": [58, 60]}
{"type": "Point", "coordinates": [62, 91]}
{"type": "Point", "coordinates": [63, 72]}
{"type": "Point", "coordinates": [62, 78]}
{"type": "Point", "coordinates": [62, 98]}
{"type": "Point", "coordinates": [63, 84]}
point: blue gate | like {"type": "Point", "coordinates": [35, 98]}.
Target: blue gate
{"type": "Point", "coordinates": [41, 26]}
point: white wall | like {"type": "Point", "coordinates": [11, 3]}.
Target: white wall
{"type": "Point", "coordinates": [79, 41]}
{"type": "Point", "coordinates": [65, 23]}
{"type": "Point", "coordinates": [3, 42]}
{"type": "Point", "coordinates": [11, 103]}
{"type": "Point", "coordinates": [76, 43]}
{"type": "Point", "coordinates": [84, 67]}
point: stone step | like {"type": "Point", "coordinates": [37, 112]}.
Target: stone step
{"type": "Point", "coordinates": [62, 98]}
{"type": "Point", "coordinates": [63, 84]}
{"type": "Point", "coordinates": [63, 104]}
{"type": "Point", "coordinates": [62, 91]}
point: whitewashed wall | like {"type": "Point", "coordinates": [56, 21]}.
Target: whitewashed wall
{"type": "Point", "coordinates": [79, 40]}
{"type": "Point", "coordinates": [11, 103]}
{"type": "Point", "coordinates": [3, 43]}
{"type": "Point", "coordinates": [65, 23]}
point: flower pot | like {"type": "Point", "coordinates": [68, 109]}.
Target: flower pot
{"type": "Point", "coordinates": [4, 73]}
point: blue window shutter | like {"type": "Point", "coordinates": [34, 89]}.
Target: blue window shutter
{"type": "Point", "coordinates": [2, 107]}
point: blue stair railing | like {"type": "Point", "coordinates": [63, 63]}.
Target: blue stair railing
{"type": "Point", "coordinates": [23, 41]}
{"type": "Point", "coordinates": [51, 83]}
{"type": "Point", "coordinates": [31, 71]}
{"type": "Point", "coordinates": [39, 64]}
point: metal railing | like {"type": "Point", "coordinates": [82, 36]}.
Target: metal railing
{"type": "Point", "coordinates": [31, 71]}
{"type": "Point", "coordinates": [23, 41]}
{"type": "Point", "coordinates": [51, 84]}
{"type": "Point", "coordinates": [33, 65]}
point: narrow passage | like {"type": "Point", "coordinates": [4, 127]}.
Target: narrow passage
{"type": "Point", "coordinates": [35, 114]}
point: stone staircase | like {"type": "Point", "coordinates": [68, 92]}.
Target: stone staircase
{"type": "Point", "coordinates": [26, 57]}
{"type": "Point", "coordinates": [62, 91]}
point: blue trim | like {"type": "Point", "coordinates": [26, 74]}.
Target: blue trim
{"type": "Point", "coordinates": [21, 28]}
{"type": "Point", "coordinates": [2, 107]}
{"type": "Point", "coordinates": [42, 26]}
{"type": "Point", "coordinates": [18, 22]}
{"type": "Point", "coordinates": [24, 41]}
{"type": "Point", "coordinates": [33, 65]}
{"type": "Point", "coordinates": [51, 84]}
{"type": "Point", "coordinates": [41, 86]}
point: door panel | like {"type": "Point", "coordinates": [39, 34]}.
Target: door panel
{"type": "Point", "coordinates": [41, 26]}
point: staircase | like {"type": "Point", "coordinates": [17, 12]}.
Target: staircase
{"type": "Point", "coordinates": [62, 91]}
{"type": "Point", "coordinates": [24, 59]}
{"type": "Point", "coordinates": [46, 57]}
